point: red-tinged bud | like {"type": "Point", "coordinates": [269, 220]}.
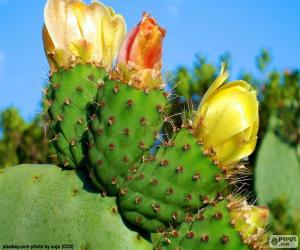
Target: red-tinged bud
{"type": "Point", "coordinates": [140, 57]}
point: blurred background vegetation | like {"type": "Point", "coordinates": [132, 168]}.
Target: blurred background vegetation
{"type": "Point", "coordinates": [275, 164]}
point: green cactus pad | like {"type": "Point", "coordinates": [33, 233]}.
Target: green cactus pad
{"type": "Point", "coordinates": [170, 187]}
{"type": "Point", "coordinates": [69, 94]}
{"type": "Point", "coordinates": [127, 123]}
{"type": "Point", "coordinates": [210, 229]}
{"type": "Point", "coordinates": [43, 204]}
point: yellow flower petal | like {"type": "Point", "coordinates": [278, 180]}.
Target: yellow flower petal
{"type": "Point", "coordinates": [56, 21]}
{"type": "Point", "coordinates": [213, 88]}
{"type": "Point", "coordinates": [114, 31]}
{"type": "Point", "coordinates": [84, 33]}
{"type": "Point", "coordinates": [235, 149]}
{"type": "Point", "coordinates": [215, 85]}
{"type": "Point", "coordinates": [49, 49]}
{"type": "Point", "coordinates": [229, 112]}
{"type": "Point", "coordinates": [227, 120]}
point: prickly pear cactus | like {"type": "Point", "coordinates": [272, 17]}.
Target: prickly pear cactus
{"type": "Point", "coordinates": [68, 96]}
{"type": "Point", "coordinates": [43, 204]}
{"type": "Point", "coordinates": [172, 185]}
{"type": "Point", "coordinates": [210, 229]}
{"type": "Point", "coordinates": [222, 225]}
{"type": "Point", "coordinates": [107, 115]}
{"type": "Point", "coordinates": [127, 123]}
{"type": "Point", "coordinates": [272, 156]}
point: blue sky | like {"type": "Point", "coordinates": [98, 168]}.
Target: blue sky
{"type": "Point", "coordinates": [209, 28]}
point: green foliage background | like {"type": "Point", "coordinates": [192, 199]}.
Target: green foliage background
{"type": "Point", "coordinates": [279, 95]}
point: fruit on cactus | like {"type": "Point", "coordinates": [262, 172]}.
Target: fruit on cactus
{"type": "Point", "coordinates": [43, 204]}
{"type": "Point", "coordinates": [81, 41]}
{"type": "Point", "coordinates": [127, 121]}
{"type": "Point", "coordinates": [75, 32]}
{"type": "Point", "coordinates": [227, 120]}
{"type": "Point", "coordinates": [140, 58]}
{"type": "Point", "coordinates": [220, 227]}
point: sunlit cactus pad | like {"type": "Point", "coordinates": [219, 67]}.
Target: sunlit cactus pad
{"type": "Point", "coordinates": [172, 185]}
{"type": "Point", "coordinates": [43, 204]}
{"type": "Point", "coordinates": [210, 229]}
{"type": "Point", "coordinates": [68, 96]}
{"type": "Point", "coordinates": [126, 125]}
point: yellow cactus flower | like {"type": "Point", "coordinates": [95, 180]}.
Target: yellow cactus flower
{"type": "Point", "coordinates": [75, 32]}
{"type": "Point", "coordinates": [227, 121]}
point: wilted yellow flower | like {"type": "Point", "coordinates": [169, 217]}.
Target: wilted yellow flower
{"type": "Point", "coordinates": [250, 220]}
{"type": "Point", "coordinates": [227, 120]}
{"type": "Point", "coordinates": [76, 32]}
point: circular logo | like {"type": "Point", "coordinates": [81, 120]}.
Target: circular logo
{"type": "Point", "coordinates": [274, 241]}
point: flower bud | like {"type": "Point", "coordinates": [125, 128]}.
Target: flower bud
{"type": "Point", "coordinates": [78, 33]}
{"type": "Point", "coordinates": [140, 57]}
{"type": "Point", "coordinates": [227, 121]}
{"type": "Point", "coordinates": [250, 221]}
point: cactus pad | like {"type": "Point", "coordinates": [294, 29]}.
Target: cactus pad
{"type": "Point", "coordinates": [68, 96]}
{"type": "Point", "coordinates": [210, 229]}
{"type": "Point", "coordinates": [170, 187]}
{"type": "Point", "coordinates": [43, 204]}
{"type": "Point", "coordinates": [127, 123]}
